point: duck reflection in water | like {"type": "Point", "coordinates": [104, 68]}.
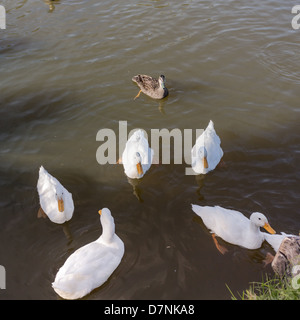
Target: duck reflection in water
{"type": "Point", "coordinates": [200, 181]}
{"type": "Point", "coordinates": [51, 3]}
{"type": "Point", "coordinates": [136, 189]}
{"type": "Point", "coordinates": [65, 225]}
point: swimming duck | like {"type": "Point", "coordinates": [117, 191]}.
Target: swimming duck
{"type": "Point", "coordinates": [275, 239]}
{"type": "Point", "coordinates": [207, 152]}
{"type": "Point", "coordinates": [91, 265]}
{"type": "Point", "coordinates": [137, 156]}
{"type": "Point", "coordinates": [233, 227]}
{"type": "Point", "coordinates": [152, 87]}
{"type": "Point", "coordinates": [55, 200]}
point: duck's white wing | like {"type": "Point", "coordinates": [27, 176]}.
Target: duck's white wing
{"type": "Point", "coordinates": [44, 184]}
{"type": "Point", "coordinates": [228, 224]}
{"type": "Point", "coordinates": [212, 144]}
{"type": "Point", "coordinates": [46, 190]}
{"type": "Point", "coordinates": [146, 153]}
{"type": "Point", "coordinates": [127, 159]}
{"type": "Point", "coordinates": [196, 162]}
{"type": "Point", "coordinates": [217, 218]}
{"type": "Point", "coordinates": [68, 204]}
{"type": "Point", "coordinates": [86, 269]}
{"type": "Point", "coordinates": [130, 148]}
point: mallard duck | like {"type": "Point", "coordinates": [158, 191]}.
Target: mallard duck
{"type": "Point", "coordinates": [91, 265]}
{"type": "Point", "coordinates": [137, 156]}
{"type": "Point", "coordinates": [233, 227]}
{"type": "Point", "coordinates": [152, 87]}
{"type": "Point", "coordinates": [207, 152]}
{"type": "Point", "coordinates": [55, 200]}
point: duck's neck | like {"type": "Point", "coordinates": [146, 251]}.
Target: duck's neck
{"type": "Point", "coordinates": [162, 84]}
{"type": "Point", "coordinates": [108, 232]}
{"type": "Point", "coordinates": [254, 229]}
{"type": "Point", "coordinates": [259, 237]}
{"type": "Point", "coordinates": [165, 90]}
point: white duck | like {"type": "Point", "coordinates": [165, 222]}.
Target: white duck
{"type": "Point", "coordinates": [233, 227]}
{"type": "Point", "coordinates": [137, 156]}
{"type": "Point", "coordinates": [55, 200]}
{"type": "Point", "coordinates": [275, 239]}
{"type": "Point", "coordinates": [207, 152]}
{"type": "Point", "coordinates": [91, 265]}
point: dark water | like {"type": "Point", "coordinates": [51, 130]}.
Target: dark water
{"type": "Point", "coordinates": [66, 73]}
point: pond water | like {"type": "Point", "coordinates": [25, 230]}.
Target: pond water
{"type": "Point", "coordinates": [66, 69]}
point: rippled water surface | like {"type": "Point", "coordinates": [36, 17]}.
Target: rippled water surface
{"type": "Point", "coordinates": [65, 73]}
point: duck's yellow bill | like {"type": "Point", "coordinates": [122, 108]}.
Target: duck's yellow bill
{"type": "Point", "coordinates": [61, 206]}
{"type": "Point", "coordinates": [100, 212]}
{"type": "Point", "coordinates": [205, 163]}
{"type": "Point", "coordinates": [139, 169]}
{"type": "Point", "coordinates": [269, 229]}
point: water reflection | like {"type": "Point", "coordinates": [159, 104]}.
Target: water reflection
{"type": "Point", "coordinates": [282, 59]}
{"type": "Point", "coordinates": [65, 226]}
{"type": "Point", "coordinates": [219, 66]}
{"type": "Point", "coordinates": [156, 4]}
{"type": "Point", "coordinates": [136, 189]}
{"type": "Point", "coordinates": [67, 232]}
{"type": "Point", "coordinates": [21, 5]}
{"type": "Point", "coordinates": [51, 4]}
{"type": "Point", "coordinates": [200, 181]}
{"type": "Point", "coordinates": [161, 105]}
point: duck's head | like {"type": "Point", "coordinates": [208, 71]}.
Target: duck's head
{"type": "Point", "coordinates": [59, 194]}
{"type": "Point", "coordinates": [202, 154]}
{"type": "Point", "coordinates": [162, 81]}
{"type": "Point", "coordinates": [260, 220]}
{"type": "Point", "coordinates": [138, 163]}
{"type": "Point", "coordinates": [105, 212]}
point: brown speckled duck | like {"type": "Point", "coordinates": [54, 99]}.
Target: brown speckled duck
{"type": "Point", "coordinates": [152, 87]}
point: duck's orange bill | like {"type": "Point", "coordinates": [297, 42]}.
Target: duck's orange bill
{"type": "Point", "coordinates": [139, 168]}
{"type": "Point", "coordinates": [269, 229]}
{"type": "Point", "coordinates": [61, 206]}
{"type": "Point", "coordinates": [205, 163]}
{"type": "Point", "coordinates": [100, 212]}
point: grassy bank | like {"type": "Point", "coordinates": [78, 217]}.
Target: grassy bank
{"type": "Point", "coordinates": [269, 289]}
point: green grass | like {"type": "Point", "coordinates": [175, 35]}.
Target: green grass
{"type": "Point", "coordinates": [269, 289]}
